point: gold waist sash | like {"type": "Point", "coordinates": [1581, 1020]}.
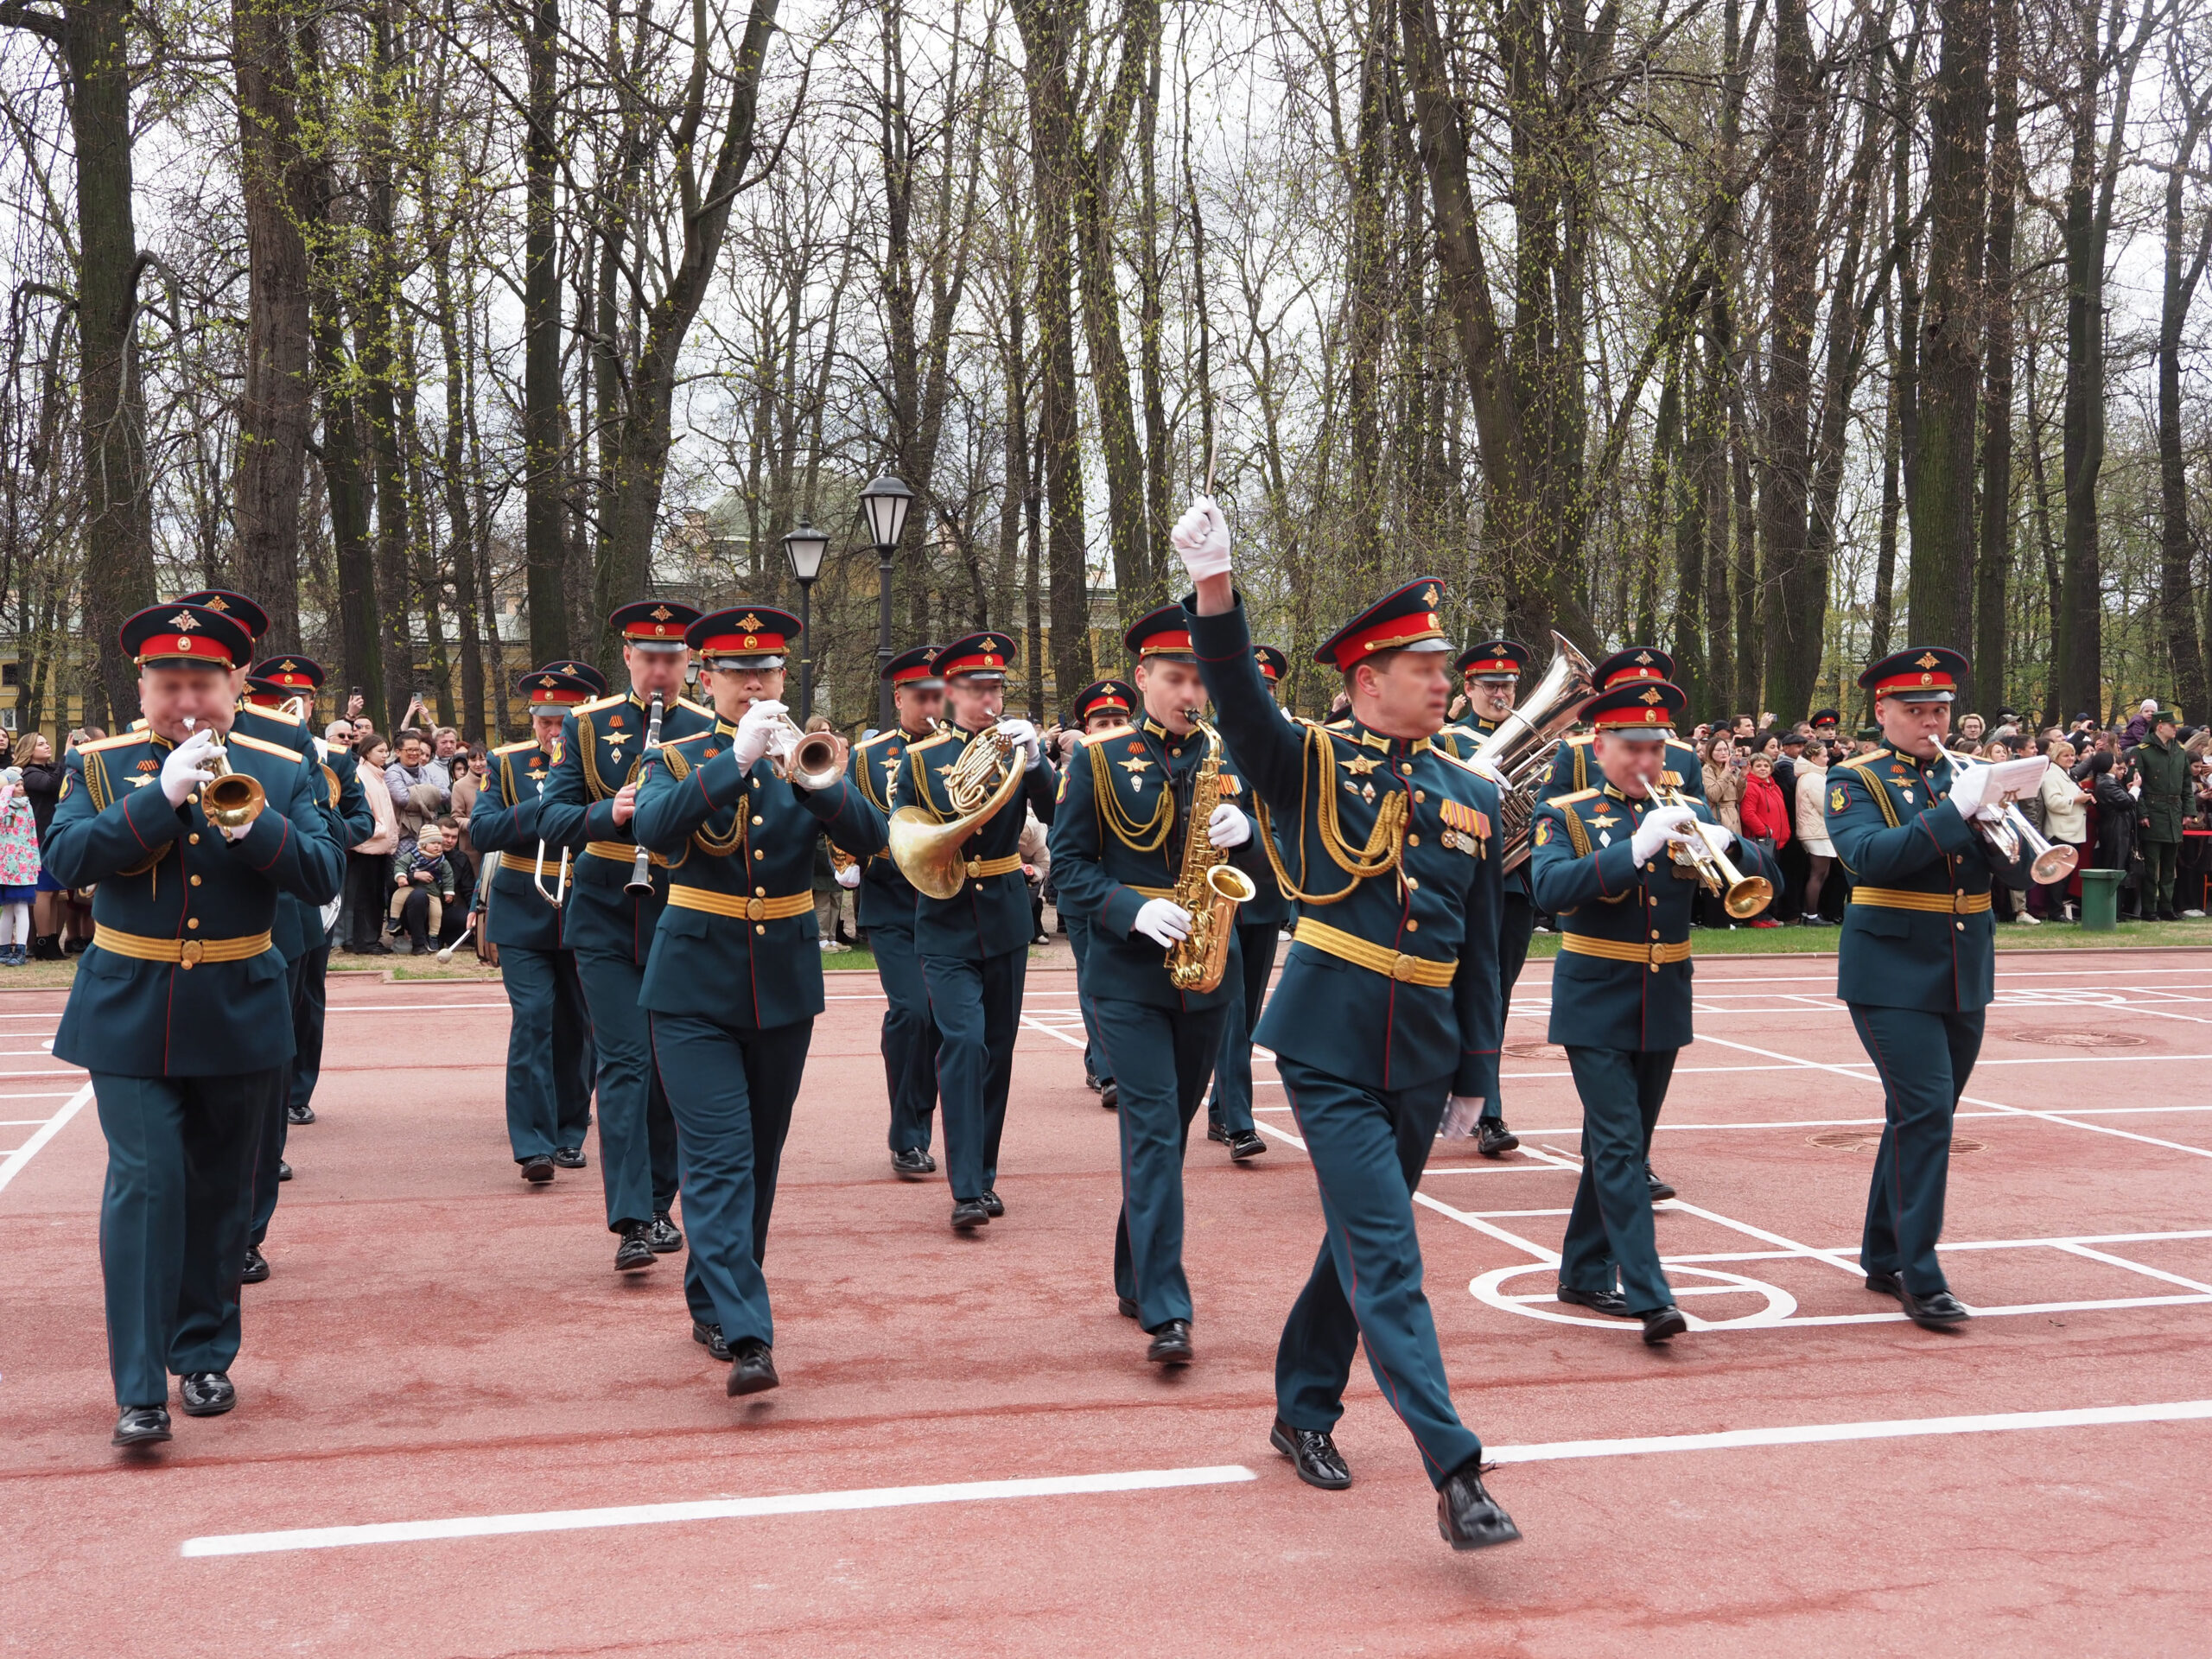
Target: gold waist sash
{"type": "Point", "coordinates": [186, 953]}
{"type": "Point", "coordinates": [621, 851]}
{"type": "Point", "coordinates": [1941, 904]}
{"type": "Point", "coordinates": [746, 910]}
{"type": "Point", "coordinates": [1375, 958]}
{"type": "Point", "coordinates": [1656, 953]}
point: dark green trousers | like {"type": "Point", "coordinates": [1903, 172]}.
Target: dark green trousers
{"type": "Point", "coordinates": [549, 1056]}
{"type": "Point", "coordinates": [269, 1153]}
{"type": "Point", "coordinates": [1610, 1227]}
{"type": "Point", "coordinates": [1924, 1060]}
{"type": "Point", "coordinates": [2161, 862]}
{"type": "Point", "coordinates": [637, 1136]}
{"type": "Point", "coordinates": [1250, 966]}
{"type": "Point", "coordinates": [1162, 1059]}
{"type": "Point", "coordinates": [174, 1218]}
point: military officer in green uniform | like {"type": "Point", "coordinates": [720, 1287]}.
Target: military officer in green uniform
{"type": "Point", "coordinates": [610, 920]}
{"type": "Point", "coordinates": [1491, 673]}
{"type": "Point", "coordinates": [181, 1010]}
{"type": "Point", "coordinates": [1127, 820]}
{"type": "Point", "coordinates": [1102, 706]}
{"type": "Point", "coordinates": [975, 945]}
{"type": "Point", "coordinates": [1917, 963]}
{"type": "Point", "coordinates": [1385, 1023]}
{"type": "Point", "coordinates": [735, 979]}
{"type": "Point", "coordinates": [2168, 794]}
{"type": "Point", "coordinates": [1259, 924]}
{"type": "Point", "coordinates": [887, 916]}
{"type": "Point", "coordinates": [548, 1030]}
{"type": "Point", "coordinates": [1602, 865]}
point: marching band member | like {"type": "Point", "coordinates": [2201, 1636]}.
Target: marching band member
{"type": "Point", "coordinates": [548, 1031]}
{"type": "Point", "coordinates": [887, 916]}
{"type": "Point", "coordinates": [1386, 1014]}
{"type": "Point", "coordinates": [1102, 706]}
{"type": "Point", "coordinates": [975, 945]}
{"type": "Point", "coordinates": [1134, 811]}
{"type": "Point", "coordinates": [1599, 865]}
{"type": "Point", "coordinates": [1917, 961]}
{"type": "Point", "coordinates": [589, 808]}
{"type": "Point", "coordinates": [183, 981]}
{"type": "Point", "coordinates": [734, 982]}
{"type": "Point", "coordinates": [1490, 673]}
{"type": "Point", "coordinates": [1260, 922]}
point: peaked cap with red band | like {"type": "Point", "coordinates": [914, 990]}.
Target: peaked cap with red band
{"type": "Point", "coordinates": [985, 656]}
{"type": "Point", "coordinates": [1637, 709]}
{"type": "Point", "coordinates": [1163, 633]}
{"type": "Point", "coordinates": [1917, 674]}
{"type": "Point", "coordinates": [915, 666]}
{"type": "Point", "coordinates": [1494, 659]}
{"type": "Point", "coordinates": [1103, 697]}
{"type": "Point", "coordinates": [292, 676]}
{"type": "Point", "coordinates": [1273, 662]}
{"type": "Point", "coordinates": [584, 671]}
{"type": "Point", "coordinates": [1404, 619]}
{"type": "Point", "coordinates": [744, 636]}
{"type": "Point", "coordinates": [548, 691]}
{"type": "Point", "coordinates": [655, 624]}
{"type": "Point", "coordinates": [240, 609]}
{"type": "Point", "coordinates": [180, 634]}
{"type": "Point", "coordinates": [1632, 664]}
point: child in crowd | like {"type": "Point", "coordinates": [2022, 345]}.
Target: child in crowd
{"type": "Point", "coordinates": [422, 888]}
{"type": "Point", "coordinates": [19, 867]}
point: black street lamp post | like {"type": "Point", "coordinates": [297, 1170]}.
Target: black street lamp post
{"type": "Point", "coordinates": [805, 547]}
{"type": "Point", "coordinates": [885, 501]}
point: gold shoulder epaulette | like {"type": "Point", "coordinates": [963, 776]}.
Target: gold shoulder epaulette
{"type": "Point", "coordinates": [696, 709]}
{"type": "Point", "coordinates": [689, 737]}
{"type": "Point", "coordinates": [1581, 739]}
{"type": "Point", "coordinates": [601, 702]}
{"type": "Point", "coordinates": [1570, 800]}
{"type": "Point", "coordinates": [266, 712]}
{"type": "Point", "coordinates": [1865, 760]}
{"type": "Point", "coordinates": [1460, 761]}
{"type": "Point", "coordinates": [1338, 725]}
{"type": "Point", "coordinates": [112, 742]}
{"type": "Point", "coordinates": [137, 725]}
{"type": "Point", "coordinates": [1088, 738]}
{"type": "Point", "coordinates": [265, 746]}
{"type": "Point", "coordinates": [516, 748]}
{"type": "Point", "coordinates": [880, 737]}
{"type": "Point", "coordinates": [917, 747]}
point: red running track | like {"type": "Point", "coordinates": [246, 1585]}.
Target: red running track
{"type": "Point", "coordinates": [439, 1342]}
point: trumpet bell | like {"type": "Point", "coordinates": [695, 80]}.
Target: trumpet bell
{"type": "Point", "coordinates": [232, 800]}
{"type": "Point", "coordinates": [812, 763]}
{"type": "Point", "coordinates": [1748, 897]}
{"type": "Point", "coordinates": [2055, 863]}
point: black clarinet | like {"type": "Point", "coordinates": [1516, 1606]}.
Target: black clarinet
{"type": "Point", "coordinates": [641, 868]}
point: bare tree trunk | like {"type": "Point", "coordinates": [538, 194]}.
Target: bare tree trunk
{"type": "Point", "coordinates": [2184, 268]}
{"type": "Point", "coordinates": [1994, 561]}
{"type": "Point", "coordinates": [540, 332]}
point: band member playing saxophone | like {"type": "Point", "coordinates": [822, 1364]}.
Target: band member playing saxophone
{"type": "Point", "coordinates": [1144, 824]}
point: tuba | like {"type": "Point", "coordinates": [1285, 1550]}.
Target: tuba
{"type": "Point", "coordinates": [1525, 739]}
{"type": "Point", "coordinates": [926, 851]}
{"type": "Point", "coordinates": [1209, 887]}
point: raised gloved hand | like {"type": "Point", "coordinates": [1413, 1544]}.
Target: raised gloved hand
{"type": "Point", "coordinates": [1024, 738]}
{"type": "Point", "coordinates": [1461, 1114]}
{"type": "Point", "coordinates": [1201, 537]}
{"type": "Point", "coordinates": [1228, 827]}
{"type": "Point", "coordinates": [756, 734]}
{"type": "Point", "coordinates": [1163, 921]}
{"type": "Point", "coordinates": [1969, 788]}
{"type": "Point", "coordinates": [1720, 836]}
{"type": "Point", "coordinates": [1658, 824]}
{"type": "Point", "coordinates": [849, 877]}
{"type": "Point", "coordinates": [191, 764]}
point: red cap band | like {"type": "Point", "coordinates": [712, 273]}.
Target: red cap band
{"type": "Point", "coordinates": [1387, 636]}
{"type": "Point", "coordinates": [742, 645]}
{"type": "Point", "coordinates": [1923, 680]}
{"type": "Point", "coordinates": [199, 647]}
{"type": "Point", "coordinates": [1633, 718]}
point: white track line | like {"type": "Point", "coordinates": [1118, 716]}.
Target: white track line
{"type": "Point", "coordinates": [720, 1508]}
{"type": "Point", "coordinates": [21, 1155]}
{"type": "Point", "coordinates": [1818, 1434]}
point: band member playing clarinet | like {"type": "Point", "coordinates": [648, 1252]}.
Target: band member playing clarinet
{"type": "Point", "coordinates": [613, 908]}
{"type": "Point", "coordinates": [1144, 810]}
{"type": "Point", "coordinates": [549, 1033]}
{"type": "Point", "coordinates": [978, 771]}
{"type": "Point", "coordinates": [735, 979]}
{"type": "Point", "coordinates": [1603, 864]}
{"type": "Point", "coordinates": [1386, 1013]}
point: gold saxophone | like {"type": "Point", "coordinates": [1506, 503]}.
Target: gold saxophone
{"type": "Point", "coordinates": [1209, 887]}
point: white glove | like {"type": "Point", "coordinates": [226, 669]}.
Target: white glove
{"type": "Point", "coordinates": [1461, 1114]}
{"type": "Point", "coordinates": [235, 832]}
{"type": "Point", "coordinates": [1658, 824]}
{"type": "Point", "coordinates": [1968, 787]}
{"type": "Point", "coordinates": [1163, 921]}
{"type": "Point", "coordinates": [756, 734]}
{"type": "Point", "coordinates": [1228, 827]}
{"type": "Point", "coordinates": [1720, 837]}
{"type": "Point", "coordinates": [190, 765]}
{"type": "Point", "coordinates": [1024, 737]}
{"type": "Point", "coordinates": [1201, 536]}
{"type": "Point", "coordinates": [849, 877]}
{"type": "Point", "coordinates": [1489, 769]}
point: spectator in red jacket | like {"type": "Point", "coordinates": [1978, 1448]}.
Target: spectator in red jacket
{"type": "Point", "coordinates": [1765, 814]}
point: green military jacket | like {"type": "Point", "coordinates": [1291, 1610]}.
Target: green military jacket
{"type": "Point", "coordinates": [2167, 787]}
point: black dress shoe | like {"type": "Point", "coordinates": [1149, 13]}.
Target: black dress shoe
{"type": "Point", "coordinates": [1609, 1302]}
{"type": "Point", "coordinates": [753, 1367]}
{"type": "Point", "coordinates": [1493, 1139]}
{"type": "Point", "coordinates": [1245, 1143]}
{"type": "Point", "coordinates": [1090, 1077]}
{"type": "Point", "coordinates": [662, 1233]}
{"type": "Point", "coordinates": [283, 1170]}
{"type": "Point", "coordinates": [299, 1115]}
{"type": "Point", "coordinates": [709, 1337]}
{"type": "Point", "coordinates": [567, 1157]}
{"type": "Point", "coordinates": [1313, 1454]}
{"type": "Point", "coordinates": [1660, 1190]}
{"type": "Point", "coordinates": [912, 1163]}
{"type": "Point", "coordinates": [1125, 1306]}
{"type": "Point", "coordinates": [141, 1426]}
{"type": "Point", "coordinates": [1469, 1517]}
{"type": "Point", "coordinates": [635, 1250]}
{"type": "Point", "coordinates": [970, 1213]}
{"type": "Point", "coordinates": [206, 1393]}
{"type": "Point", "coordinates": [1170, 1344]}
{"type": "Point", "coordinates": [1936, 1311]}
{"type": "Point", "coordinates": [257, 1266]}
{"type": "Point", "coordinates": [1215, 1132]}
{"type": "Point", "coordinates": [1664, 1323]}
{"type": "Point", "coordinates": [994, 1203]}
{"type": "Point", "coordinates": [1109, 1093]}
{"type": "Point", "coordinates": [537, 1171]}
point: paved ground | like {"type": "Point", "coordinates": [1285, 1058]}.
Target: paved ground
{"type": "Point", "coordinates": [1803, 1473]}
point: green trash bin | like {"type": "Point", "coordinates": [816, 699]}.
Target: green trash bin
{"type": "Point", "coordinates": [2100, 900]}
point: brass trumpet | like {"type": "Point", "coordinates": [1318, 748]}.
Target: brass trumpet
{"type": "Point", "coordinates": [1741, 895]}
{"type": "Point", "coordinates": [229, 800]}
{"type": "Point", "coordinates": [926, 851]}
{"type": "Point", "coordinates": [2012, 832]}
{"type": "Point", "coordinates": [807, 758]}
